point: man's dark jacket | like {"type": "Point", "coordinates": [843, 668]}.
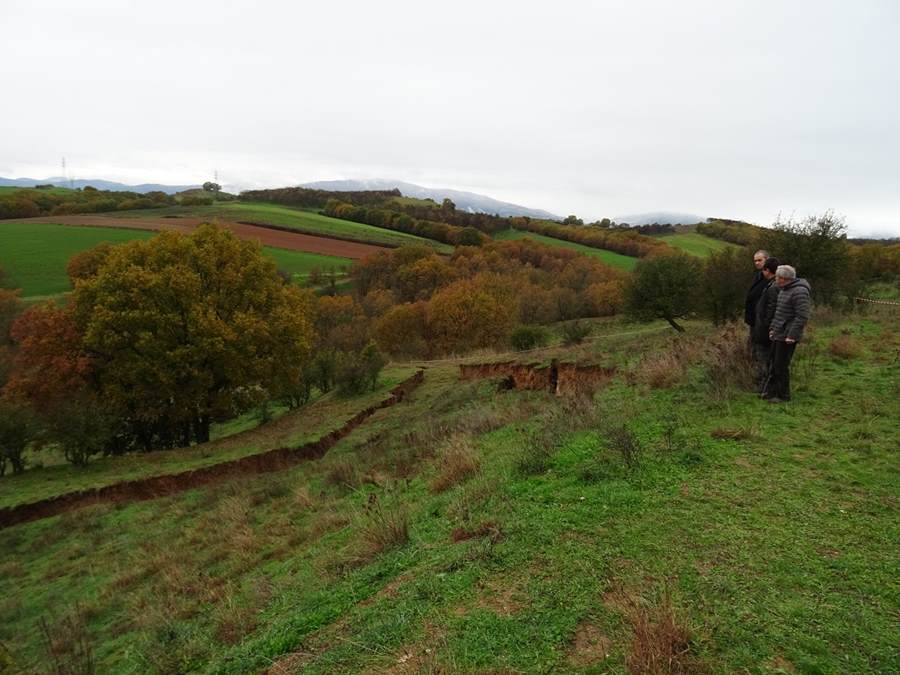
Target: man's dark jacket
{"type": "Point", "coordinates": [756, 290]}
{"type": "Point", "coordinates": [764, 312]}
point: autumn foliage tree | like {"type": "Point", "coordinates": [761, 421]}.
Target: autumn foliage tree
{"type": "Point", "coordinates": [185, 330]}
{"type": "Point", "coordinates": [469, 314]}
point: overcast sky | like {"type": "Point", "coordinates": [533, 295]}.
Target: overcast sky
{"type": "Point", "coordinates": [742, 109]}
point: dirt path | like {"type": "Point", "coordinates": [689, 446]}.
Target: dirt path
{"type": "Point", "coordinates": [268, 235]}
{"type": "Point", "coordinates": [160, 486]}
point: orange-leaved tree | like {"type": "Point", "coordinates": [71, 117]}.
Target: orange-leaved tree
{"type": "Point", "coordinates": [470, 313]}
{"type": "Point", "coordinates": [185, 330]}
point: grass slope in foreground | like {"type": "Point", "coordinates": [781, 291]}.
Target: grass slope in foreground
{"type": "Point", "coordinates": [466, 531]}
{"type": "Point", "coordinates": [609, 257]}
{"type": "Point", "coordinates": [302, 220]}
{"type": "Point", "coordinates": [696, 244]}
{"type": "Point", "coordinates": [34, 255]}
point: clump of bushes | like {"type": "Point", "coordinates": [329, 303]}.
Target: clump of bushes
{"type": "Point", "coordinates": [524, 338]}
{"type": "Point", "coordinates": [575, 332]}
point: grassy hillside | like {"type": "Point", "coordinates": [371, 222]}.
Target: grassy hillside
{"type": "Point", "coordinates": [609, 257]}
{"type": "Point", "coordinates": [8, 189]}
{"type": "Point", "coordinates": [696, 244]}
{"type": "Point", "coordinates": [34, 255]}
{"type": "Point", "coordinates": [301, 220]}
{"type": "Point", "coordinates": [670, 518]}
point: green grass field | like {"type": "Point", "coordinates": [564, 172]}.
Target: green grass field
{"type": "Point", "coordinates": [34, 255]}
{"type": "Point", "coordinates": [467, 530]}
{"type": "Point", "coordinates": [7, 189]}
{"type": "Point", "coordinates": [696, 244]}
{"type": "Point", "coordinates": [609, 257]}
{"type": "Point", "coordinates": [302, 220]}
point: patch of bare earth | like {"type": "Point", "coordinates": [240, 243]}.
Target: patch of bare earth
{"type": "Point", "coordinates": [589, 647]}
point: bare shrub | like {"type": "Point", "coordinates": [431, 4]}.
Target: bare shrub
{"type": "Point", "coordinates": [68, 643]}
{"type": "Point", "coordinates": [623, 440]}
{"type": "Point", "coordinates": [845, 348]}
{"type": "Point", "coordinates": [458, 462]}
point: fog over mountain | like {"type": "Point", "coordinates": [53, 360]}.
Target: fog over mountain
{"type": "Point", "coordinates": [99, 183]}
{"type": "Point", "coordinates": [661, 217]}
{"type": "Point", "coordinates": [465, 201]}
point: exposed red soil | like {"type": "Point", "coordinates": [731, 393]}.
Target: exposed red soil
{"type": "Point", "coordinates": [562, 379]}
{"type": "Point", "coordinates": [267, 235]}
{"type": "Point", "coordinates": [160, 486]}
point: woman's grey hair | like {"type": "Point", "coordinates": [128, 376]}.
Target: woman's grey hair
{"type": "Point", "coordinates": [786, 272]}
{"type": "Point", "coordinates": [762, 252]}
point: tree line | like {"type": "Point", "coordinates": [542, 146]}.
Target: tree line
{"type": "Point", "coordinates": [400, 222]}
{"type": "Point", "coordinates": [30, 203]}
{"type": "Point", "coordinates": [310, 198]}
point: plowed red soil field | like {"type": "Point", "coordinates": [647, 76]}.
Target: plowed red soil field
{"type": "Point", "coordinates": [293, 241]}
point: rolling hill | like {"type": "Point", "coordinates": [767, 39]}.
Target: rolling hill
{"type": "Point", "coordinates": [466, 201]}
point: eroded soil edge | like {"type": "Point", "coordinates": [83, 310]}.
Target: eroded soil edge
{"type": "Point", "coordinates": [160, 486]}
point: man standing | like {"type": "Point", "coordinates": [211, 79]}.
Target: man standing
{"type": "Point", "coordinates": [756, 290]}
{"type": "Point", "coordinates": [763, 313]}
{"type": "Point", "coordinates": [791, 315]}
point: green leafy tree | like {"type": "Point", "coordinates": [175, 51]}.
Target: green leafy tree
{"type": "Point", "coordinates": [724, 281]}
{"type": "Point", "coordinates": [18, 429]}
{"type": "Point", "coordinates": [817, 247]}
{"type": "Point", "coordinates": [663, 287]}
{"type": "Point", "coordinates": [185, 330]}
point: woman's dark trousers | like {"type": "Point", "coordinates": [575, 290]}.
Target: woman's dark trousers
{"type": "Point", "coordinates": [780, 376]}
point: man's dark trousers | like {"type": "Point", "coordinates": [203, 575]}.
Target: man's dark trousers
{"type": "Point", "coordinates": [780, 376]}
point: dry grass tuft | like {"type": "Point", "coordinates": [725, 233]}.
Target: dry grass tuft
{"type": "Point", "coordinates": [729, 364]}
{"type": "Point", "coordinates": [661, 643]}
{"type": "Point", "coordinates": [68, 643]}
{"type": "Point", "coordinates": [739, 434]}
{"type": "Point", "coordinates": [488, 528]}
{"type": "Point", "coordinates": [660, 371]}
{"type": "Point", "coordinates": [343, 472]}
{"type": "Point", "coordinates": [383, 527]}
{"type": "Point", "coordinates": [845, 348]}
{"type": "Point", "coordinates": [304, 498]}
{"type": "Point", "coordinates": [458, 462]}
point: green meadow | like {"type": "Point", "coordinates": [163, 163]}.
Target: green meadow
{"type": "Point", "coordinates": [302, 220]}
{"type": "Point", "coordinates": [609, 257]}
{"type": "Point", "coordinates": [34, 255]}
{"type": "Point", "coordinates": [696, 244]}
{"type": "Point", "coordinates": [670, 518]}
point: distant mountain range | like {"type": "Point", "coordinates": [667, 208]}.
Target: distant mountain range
{"type": "Point", "coordinates": [60, 181]}
{"type": "Point", "coordinates": [660, 217]}
{"type": "Point", "coordinates": [465, 201]}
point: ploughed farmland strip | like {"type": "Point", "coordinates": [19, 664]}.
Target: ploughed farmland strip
{"type": "Point", "coordinates": [268, 235]}
{"type": "Point", "coordinates": [160, 486]}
